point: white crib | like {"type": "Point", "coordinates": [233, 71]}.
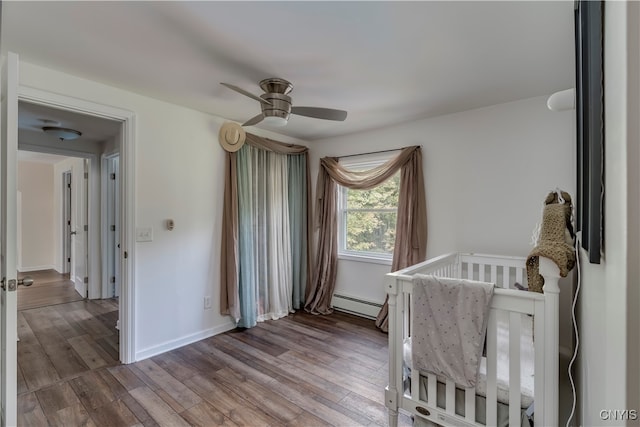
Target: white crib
{"type": "Point", "coordinates": [510, 305]}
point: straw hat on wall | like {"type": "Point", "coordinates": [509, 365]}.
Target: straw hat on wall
{"type": "Point", "coordinates": [232, 136]}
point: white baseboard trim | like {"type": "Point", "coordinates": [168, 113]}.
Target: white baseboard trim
{"type": "Point", "coordinates": [181, 342]}
{"type": "Point", "coordinates": [36, 268]}
{"type": "Point", "coordinates": [356, 305]}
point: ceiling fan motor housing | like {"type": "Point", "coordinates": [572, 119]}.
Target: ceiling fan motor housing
{"type": "Point", "coordinates": [276, 85]}
{"type": "Point", "coordinates": [280, 105]}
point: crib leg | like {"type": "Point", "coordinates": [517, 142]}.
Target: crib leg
{"type": "Point", "coordinates": [393, 418]}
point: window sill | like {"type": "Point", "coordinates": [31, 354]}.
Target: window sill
{"type": "Point", "coordinates": [363, 258]}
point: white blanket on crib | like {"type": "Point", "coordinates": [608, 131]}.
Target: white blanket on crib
{"type": "Point", "coordinates": [449, 326]}
{"type": "Point", "coordinates": [527, 361]}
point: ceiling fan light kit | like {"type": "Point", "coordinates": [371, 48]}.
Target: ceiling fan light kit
{"type": "Point", "coordinates": [275, 120]}
{"type": "Point", "coordinates": [63, 134]}
{"type": "Point", "coordinates": [277, 107]}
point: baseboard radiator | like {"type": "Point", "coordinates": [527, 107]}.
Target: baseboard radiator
{"type": "Point", "coordinates": [356, 306]}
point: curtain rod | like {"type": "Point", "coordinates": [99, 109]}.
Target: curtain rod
{"type": "Point", "coordinates": [375, 152]}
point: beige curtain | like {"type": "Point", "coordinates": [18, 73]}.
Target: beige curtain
{"type": "Point", "coordinates": [229, 300]}
{"type": "Point", "coordinates": [411, 228]}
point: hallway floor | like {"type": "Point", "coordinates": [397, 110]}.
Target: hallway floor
{"type": "Point", "coordinates": [49, 288]}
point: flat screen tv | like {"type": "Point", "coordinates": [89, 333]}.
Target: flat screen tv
{"type": "Point", "coordinates": [590, 126]}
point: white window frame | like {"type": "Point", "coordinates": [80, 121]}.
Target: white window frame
{"type": "Point", "coordinates": [363, 162]}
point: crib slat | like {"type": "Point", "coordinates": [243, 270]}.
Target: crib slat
{"type": "Point", "coordinates": [405, 319]}
{"type": "Point", "coordinates": [506, 276]}
{"type": "Point", "coordinates": [515, 324]}
{"type": "Point", "coordinates": [469, 271]}
{"type": "Point", "coordinates": [432, 397]}
{"type": "Point", "coordinates": [415, 383]}
{"type": "Point", "coordinates": [401, 311]}
{"type": "Point", "coordinates": [538, 343]}
{"type": "Point", "coordinates": [470, 405]}
{"type": "Point", "coordinates": [494, 274]}
{"type": "Point", "coordinates": [519, 275]}
{"type": "Point", "coordinates": [492, 348]}
{"type": "Point", "coordinates": [481, 272]}
{"type": "Point", "coordinates": [450, 404]}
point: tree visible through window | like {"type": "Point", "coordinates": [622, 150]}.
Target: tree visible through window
{"type": "Point", "coordinates": [368, 220]}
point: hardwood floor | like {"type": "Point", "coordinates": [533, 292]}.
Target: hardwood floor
{"type": "Point", "coordinates": [49, 288]}
{"type": "Point", "coordinates": [302, 370]}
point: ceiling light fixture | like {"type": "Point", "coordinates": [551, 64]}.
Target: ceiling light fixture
{"type": "Point", "coordinates": [63, 134]}
{"type": "Point", "coordinates": [274, 121]}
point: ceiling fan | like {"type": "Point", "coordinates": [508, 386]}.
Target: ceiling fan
{"type": "Point", "coordinates": [276, 104]}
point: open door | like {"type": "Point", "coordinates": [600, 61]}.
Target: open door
{"type": "Point", "coordinates": [8, 215]}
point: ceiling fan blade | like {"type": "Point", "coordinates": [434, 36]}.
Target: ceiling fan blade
{"type": "Point", "coordinates": [245, 93]}
{"type": "Point", "coordinates": [254, 120]}
{"type": "Point", "coordinates": [320, 113]}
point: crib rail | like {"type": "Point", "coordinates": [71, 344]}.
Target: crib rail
{"type": "Point", "coordinates": [508, 305]}
{"type": "Point", "coordinates": [503, 271]}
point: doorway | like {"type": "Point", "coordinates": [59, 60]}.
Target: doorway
{"type": "Point", "coordinates": [124, 144]}
{"type": "Point", "coordinates": [80, 227]}
{"type": "Point", "coordinates": [47, 216]}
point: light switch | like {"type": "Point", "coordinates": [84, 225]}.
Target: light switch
{"type": "Point", "coordinates": [144, 234]}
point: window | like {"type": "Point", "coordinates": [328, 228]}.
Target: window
{"type": "Point", "coordinates": [367, 218]}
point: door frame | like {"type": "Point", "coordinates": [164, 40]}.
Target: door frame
{"type": "Point", "coordinates": [127, 190]}
{"type": "Point", "coordinates": [66, 222]}
{"type": "Point", "coordinates": [110, 197]}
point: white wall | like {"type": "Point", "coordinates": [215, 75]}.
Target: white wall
{"type": "Point", "coordinates": [608, 369]}
{"type": "Point", "coordinates": [179, 175]}
{"type": "Point", "coordinates": [487, 172]}
{"type": "Point", "coordinates": [34, 183]}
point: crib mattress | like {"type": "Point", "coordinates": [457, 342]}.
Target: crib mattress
{"type": "Point", "coordinates": [527, 362]}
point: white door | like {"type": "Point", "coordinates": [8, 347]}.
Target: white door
{"type": "Point", "coordinates": [8, 214]}
{"type": "Point", "coordinates": [80, 232]}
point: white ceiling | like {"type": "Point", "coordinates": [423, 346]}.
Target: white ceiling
{"type": "Point", "coordinates": [383, 62]}
{"type": "Point", "coordinates": [32, 118]}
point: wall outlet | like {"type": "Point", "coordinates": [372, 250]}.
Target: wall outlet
{"type": "Point", "coordinates": [207, 302]}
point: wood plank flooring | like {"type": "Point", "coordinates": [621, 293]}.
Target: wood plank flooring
{"type": "Point", "coordinates": [302, 370]}
{"type": "Point", "coordinates": [49, 288]}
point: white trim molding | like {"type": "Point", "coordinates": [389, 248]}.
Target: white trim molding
{"type": "Point", "coordinates": [186, 340]}
{"type": "Point", "coordinates": [36, 268]}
